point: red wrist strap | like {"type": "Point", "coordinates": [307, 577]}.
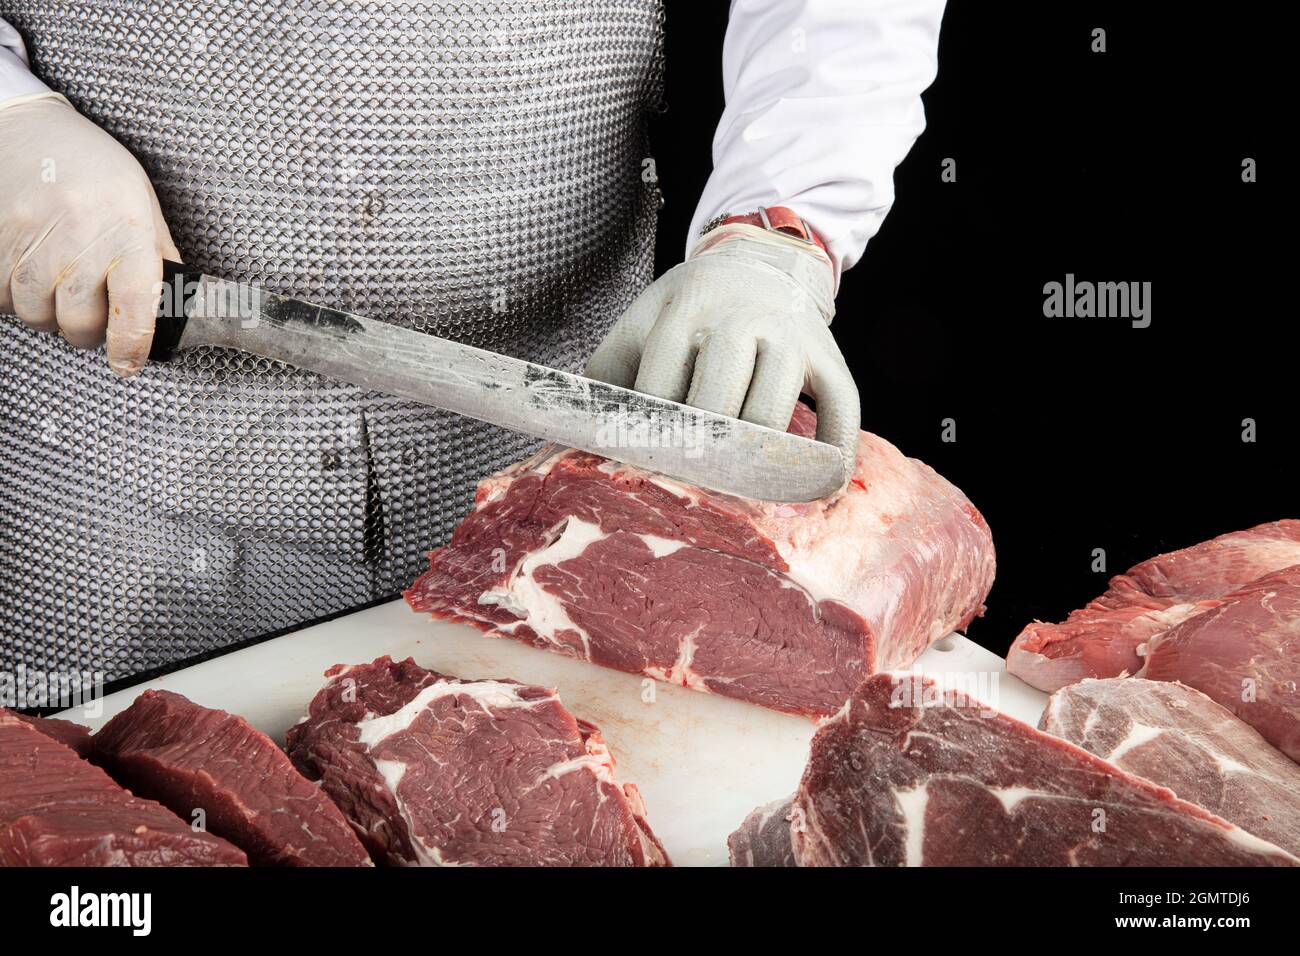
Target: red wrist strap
{"type": "Point", "coordinates": [780, 219]}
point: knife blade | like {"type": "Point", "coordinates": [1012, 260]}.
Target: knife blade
{"type": "Point", "coordinates": [690, 444]}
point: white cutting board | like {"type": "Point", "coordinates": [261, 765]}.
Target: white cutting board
{"type": "Point", "coordinates": [702, 762]}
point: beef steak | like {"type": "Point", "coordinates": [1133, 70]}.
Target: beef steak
{"type": "Point", "coordinates": [912, 773]}
{"type": "Point", "coordinates": [1102, 639]}
{"type": "Point", "coordinates": [438, 771]}
{"type": "Point", "coordinates": [1244, 654]}
{"type": "Point", "coordinates": [58, 810]}
{"type": "Point", "coordinates": [1178, 738]}
{"type": "Point", "coordinates": [784, 605]}
{"type": "Point", "coordinates": [166, 747]}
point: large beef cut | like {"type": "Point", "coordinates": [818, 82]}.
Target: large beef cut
{"type": "Point", "coordinates": [1178, 738]}
{"type": "Point", "coordinates": [1245, 654]}
{"type": "Point", "coordinates": [437, 771]}
{"type": "Point", "coordinates": [58, 810]}
{"type": "Point", "coordinates": [784, 605]}
{"type": "Point", "coordinates": [914, 773]}
{"type": "Point", "coordinates": [1103, 639]}
{"type": "Point", "coordinates": [191, 758]}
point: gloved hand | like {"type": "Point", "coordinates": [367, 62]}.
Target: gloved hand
{"type": "Point", "coordinates": [740, 328]}
{"type": "Point", "coordinates": [81, 237]}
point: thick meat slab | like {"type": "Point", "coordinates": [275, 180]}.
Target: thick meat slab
{"type": "Point", "coordinates": [912, 773]}
{"type": "Point", "coordinates": [1178, 738]}
{"type": "Point", "coordinates": [58, 810]}
{"type": "Point", "coordinates": [788, 606]}
{"type": "Point", "coordinates": [1102, 639]}
{"type": "Point", "coordinates": [436, 771]}
{"type": "Point", "coordinates": [1245, 654]}
{"type": "Point", "coordinates": [168, 748]}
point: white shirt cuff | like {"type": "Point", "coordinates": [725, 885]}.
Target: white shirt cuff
{"type": "Point", "coordinates": [16, 77]}
{"type": "Point", "coordinates": [823, 101]}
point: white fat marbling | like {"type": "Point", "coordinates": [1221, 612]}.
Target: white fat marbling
{"type": "Point", "coordinates": [1011, 797]}
{"type": "Point", "coordinates": [912, 804]}
{"type": "Point", "coordinates": [538, 608]}
{"type": "Point", "coordinates": [597, 759]}
{"type": "Point", "coordinates": [392, 771]}
{"type": "Point", "coordinates": [1136, 737]}
{"type": "Point", "coordinates": [491, 694]}
{"type": "Point", "coordinates": [661, 547]}
{"type": "Point", "coordinates": [1253, 844]}
{"type": "Point", "coordinates": [681, 672]}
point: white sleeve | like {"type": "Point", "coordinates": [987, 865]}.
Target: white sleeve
{"type": "Point", "coordinates": [823, 101]}
{"type": "Point", "coordinates": [16, 77]}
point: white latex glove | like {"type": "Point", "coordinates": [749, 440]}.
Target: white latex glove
{"type": "Point", "coordinates": [740, 328]}
{"type": "Point", "coordinates": [81, 236]}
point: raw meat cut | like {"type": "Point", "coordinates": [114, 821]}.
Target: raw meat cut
{"type": "Point", "coordinates": [1245, 654]}
{"type": "Point", "coordinates": [1091, 644]}
{"type": "Point", "coordinates": [1178, 738]}
{"type": "Point", "coordinates": [74, 735]}
{"type": "Point", "coordinates": [1102, 639]}
{"type": "Point", "coordinates": [436, 771]}
{"type": "Point", "coordinates": [914, 773]}
{"type": "Point", "coordinates": [168, 748]}
{"type": "Point", "coordinates": [58, 810]}
{"type": "Point", "coordinates": [788, 606]}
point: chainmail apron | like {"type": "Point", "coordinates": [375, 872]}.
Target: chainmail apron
{"type": "Point", "coordinates": [470, 169]}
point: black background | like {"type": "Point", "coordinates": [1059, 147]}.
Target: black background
{"type": "Point", "coordinates": [1121, 166]}
{"type": "Point", "coordinates": [914, 910]}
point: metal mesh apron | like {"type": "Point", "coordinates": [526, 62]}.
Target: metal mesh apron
{"type": "Point", "coordinates": [471, 169]}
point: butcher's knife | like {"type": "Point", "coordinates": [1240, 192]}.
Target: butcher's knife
{"type": "Point", "coordinates": [696, 446]}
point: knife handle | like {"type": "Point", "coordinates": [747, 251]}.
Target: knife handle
{"type": "Point", "coordinates": [169, 323]}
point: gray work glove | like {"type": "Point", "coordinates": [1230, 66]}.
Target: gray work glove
{"type": "Point", "coordinates": [740, 328]}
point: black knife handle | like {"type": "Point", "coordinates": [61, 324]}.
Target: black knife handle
{"type": "Point", "coordinates": [169, 324]}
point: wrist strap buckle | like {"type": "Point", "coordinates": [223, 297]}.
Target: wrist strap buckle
{"type": "Point", "coordinates": [779, 219]}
